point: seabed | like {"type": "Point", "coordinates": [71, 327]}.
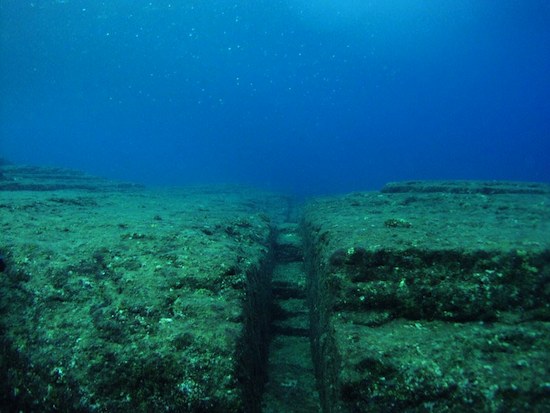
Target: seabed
{"type": "Point", "coordinates": [421, 297]}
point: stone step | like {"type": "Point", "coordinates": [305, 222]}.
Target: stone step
{"type": "Point", "coordinates": [290, 274]}
{"type": "Point", "coordinates": [291, 381]}
{"type": "Point", "coordinates": [290, 317]}
{"type": "Point", "coordinates": [288, 244]}
{"type": "Point", "coordinates": [285, 291]}
{"type": "Point", "coordinates": [296, 326]}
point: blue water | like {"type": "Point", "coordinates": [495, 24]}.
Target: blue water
{"type": "Point", "coordinates": [303, 96]}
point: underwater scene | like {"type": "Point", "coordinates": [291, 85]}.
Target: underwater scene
{"type": "Point", "coordinates": [274, 206]}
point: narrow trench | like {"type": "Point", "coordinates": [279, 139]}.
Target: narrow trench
{"type": "Point", "coordinates": [291, 380]}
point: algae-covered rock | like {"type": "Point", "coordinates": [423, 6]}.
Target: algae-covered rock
{"type": "Point", "coordinates": [135, 300]}
{"type": "Point", "coordinates": [431, 297]}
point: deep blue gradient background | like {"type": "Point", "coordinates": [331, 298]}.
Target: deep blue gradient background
{"type": "Point", "coordinates": [297, 95]}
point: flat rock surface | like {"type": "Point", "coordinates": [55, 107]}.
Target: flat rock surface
{"type": "Point", "coordinates": [32, 178]}
{"type": "Point", "coordinates": [118, 298]}
{"type": "Point", "coordinates": [432, 296]}
{"type": "Point", "coordinates": [438, 219]}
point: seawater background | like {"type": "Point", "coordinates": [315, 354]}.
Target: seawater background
{"type": "Point", "coordinates": [303, 96]}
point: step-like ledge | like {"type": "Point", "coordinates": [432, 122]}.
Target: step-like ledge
{"type": "Point", "coordinates": [430, 299]}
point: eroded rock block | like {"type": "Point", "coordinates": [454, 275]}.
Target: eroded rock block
{"type": "Point", "coordinates": [135, 300]}
{"type": "Point", "coordinates": [431, 297]}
